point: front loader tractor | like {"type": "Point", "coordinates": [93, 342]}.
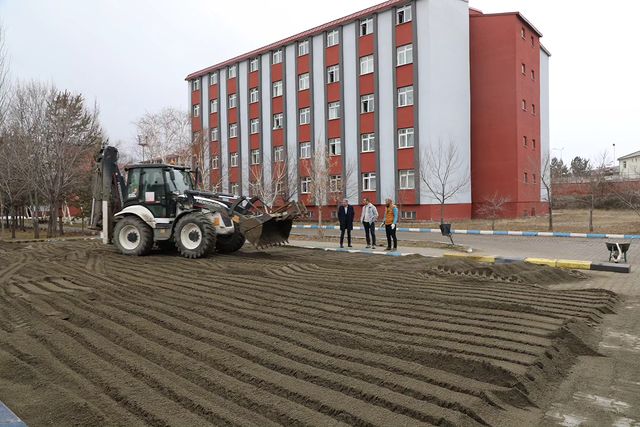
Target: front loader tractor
{"type": "Point", "coordinates": [159, 204]}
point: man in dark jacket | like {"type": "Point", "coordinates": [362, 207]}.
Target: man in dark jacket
{"type": "Point", "coordinates": [345, 216]}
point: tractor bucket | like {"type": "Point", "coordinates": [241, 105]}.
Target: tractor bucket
{"type": "Point", "coordinates": [270, 229]}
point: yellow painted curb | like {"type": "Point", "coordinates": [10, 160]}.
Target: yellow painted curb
{"type": "Point", "coordinates": [479, 258]}
{"type": "Point", "coordinates": [541, 261]}
{"type": "Point", "coordinates": [573, 264]}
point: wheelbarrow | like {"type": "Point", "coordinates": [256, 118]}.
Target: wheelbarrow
{"type": "Point", "coordinates": [618, 251]}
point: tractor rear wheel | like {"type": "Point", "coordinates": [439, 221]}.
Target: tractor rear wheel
{"type": "Point", "coordinates": [194, 235]}
{"type": "Point", "coordinates": [132, 236]}
{"type": "Point", "coordinates": [228, 243]}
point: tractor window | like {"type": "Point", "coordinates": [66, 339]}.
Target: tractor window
{"type": "Point", "coordinates": [181, 180]}
{"type": "Point", "coordinates": [153, 185]}
{"type": "Point", "coordinates": [133, 184]}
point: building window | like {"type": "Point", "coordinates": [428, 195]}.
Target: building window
{"type": "Point", "coordinates": [533, 74]}
{"type": "Point", "coordinates": [524, 141]}
{"type": "Point", "coordinates": [305, 185]}
{"type": "Point", "coordinates": [333, 38]}
{"type": "Point", "coordinates": [235, 189]}
{"type": "Point", "coordinates": [523, 69]}
{"type": "Point", "coordinates": [335, 147]}
{"type": "Point", "coordinates": [403, 14]}
{"type": "Point", "coordinates": [367, 103]}
{"type": "Point", "coordinates": [253, 65]}
{"type": "Point", "coordinates": [213, 106]}
{"type": "Point", "coordinates": [533, 43]}
{"type": "Point", "coordinates": [233, 130]}
{"type": "Point", "coordinates": [304, 116]}
{"type": "Point", "coordinates": [277, 89]}
{"type": "Point", "coordinates": [405, 96]}
{"type": "Point", "coordinates": [195, 85]}
{"type": "Point", "coordinates": [255, 156]}
{"type": "Point", "coordinates": [368, 142]}
{"type": "Point", "coordinates": [195, 137]}
{"type": "Point", "coordinates": [369, 181]}
{"type": "Point", "coordinates": [303, 47]}
{"type": "Point", "coordinates": [196, 110]}
{"type": "Point", "coordinates": [215, 162]}
{"type": "Point", "coordinates": [276, 56]}
{"type": "Point", "coordinates": [278, 121]}
{"type": "Point", "coordinates": [233, 160]}
{"type": "Point", "coordinates": [526, 178]}
{"type": "Point", "coordinates": [533, 109]}
{"type": "Point", "coordinates": [366, 27]}
{"type": "Point", "coordinates": [407, 179]}
{"type": "Point", "coordinates": [333, 74]}
{"type": "Point", "coordinates": [303, 81]}
{"type": "Point", "coordinates": [278, 153]}
{"type": "Point", "coordinates": [533, 177]}
{"type": "Point", "coordinates": [232, 71]}
{"type": "Point", "coordinates": [366, 65]}
{"type": "Point", "coordinates": [253, 95]}
{"type": "Point", "coordinates": [255, 126]}
{"type": "Point", "coordinates": [213, 79]}
{"type": "Point", "coordinates": [522, 33]}
{"type": "Point", "coordinates": [214, 134]}
{"type": "Point", "coordinates": [524, 105]}
{"type": "Point", "coordinates": [624, 164]}
{"type": "Point", "coordinates": [404, 55]}
{"type": "Point", "coordinates": [305, 150]}
{"type": "Point", "coordinates": [533, 143]}
{"type": "Point", "coordinates": [233, 100]}
{"type": "Point", "coordinates": [334, 110]}
{"type": "Point", "coordinates": [335, 183]}
{"type": "Point", "coordinates": [405, 138]}
{"type": "Point", "coordinates": [408, 215]}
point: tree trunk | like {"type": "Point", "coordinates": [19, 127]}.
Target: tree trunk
{"type": "Point", "coordinates": [50, 227]}
{"type": "Point", "coordinates": [442, 213]}
{"type": "Point", "coordinates": [591, 215]}
{"type": "Point", "coordinates": [60, 218]}
{"type": "Point", "coordinates": [14, 222]}
{"type": "Point", "coordinates": [1, 218]}
{"type": "Point", "coordinates": [550, 208]}
{"type": "Point", "coordinates": [493, 224]}
{"type": "Point", "coordinates": [320, 231]}
{"type": "Point", "coordinates": [36, 218]}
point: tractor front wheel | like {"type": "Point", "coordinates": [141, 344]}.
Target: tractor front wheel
{"type": "Point", "coordinates": [132, 236]}
{"type": "Point", "coordinates": [194, 235]}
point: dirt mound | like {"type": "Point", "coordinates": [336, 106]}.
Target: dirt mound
{"type": "Point", "coordinates": [289, 336]}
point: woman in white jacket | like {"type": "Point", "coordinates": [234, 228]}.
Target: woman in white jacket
{"type": "Point", "coordinates": [368, 217]}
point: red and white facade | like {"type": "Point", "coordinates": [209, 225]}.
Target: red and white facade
{"type": "Point", "coordinates": [379, 88]}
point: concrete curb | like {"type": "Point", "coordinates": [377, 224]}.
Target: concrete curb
{"type": "Point", "coordinates": [51, 239]}
{"type": "Point", "coordinates": [8, 418]}
{"type": "Point", "coordinates": [570, 264]}
{"type": "Point", "coordinates": [492, 233]}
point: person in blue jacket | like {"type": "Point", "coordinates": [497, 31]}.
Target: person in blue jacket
{"type": "Point", "coordinates": [390, 224]}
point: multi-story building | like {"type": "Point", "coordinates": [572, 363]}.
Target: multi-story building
{"type": "Point", "coordinates": [379, 91]}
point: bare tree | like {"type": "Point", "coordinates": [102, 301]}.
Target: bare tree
{"type": "Point", "coordinates": [595, 176]}
{"type": "Point", "coordinates": [546, 179]}
{"type": "Point", "coordinates": [443, 172]}
{"type": "Point", "coordinates": [165, 133]}
{"type": "Point", "coordinates": [281, 186]}
{"type": "Point", "coordinates": [493, 207]}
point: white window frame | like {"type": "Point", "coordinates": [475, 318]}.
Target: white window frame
{"type": "Point", "coordinates": [333, 38]}
{"type": "Point", "coordinates": [305, 150]}
{"type": "Point", "coordinates": [232, 101]}
{"type": "Point", "coordinates": [406, 138]}
{"type": "Point", "coordinates": [334, 110]}
{"type": "Point", "coordinates": [278, 153]}
{"type": "Point", "coordinates": [195, 111]}
{"type": "Point", "coordinates": [303, 81]}
{"type": "Point", "coordinates": [233, 159]}
{"type": "Point", "coordinates": [215, 162]}
{"type": "Point", "coordinates": [369, 181]}
{"type": "Point", "coordinates": [235, 189]}
{"type": "Point", "coordinates": [253, 99]}
{"type": "Point", "coordinates": [404, 55]}
{"type": "Point", "coordinates": [233, 130]}
{"type": "Point", "coordinates": [255, 126]}
{"type": "Point", "coordinates": [304, 116]}
{"type": "Point", "coordinates": [335, 147]}
{"type": "Point", "coordinates": [405, 96]}
{"type": "Point", "coordinates": [403, 14]}
{"type": "Point", "coordinates": [367, 142]}
{"type": "Point", "coordinates": [254, 64]}
{"type": "Point", "coordinates": [195, 85]}
{"type": "Point", "coordinates": [213, 78]}
{"type": "Point", "coordinates": [407, 179]}
{"type": "Point", "coordinates": [214, 134]}
{"type": "Point", "coordinates": [303, 47]}
{"type": "Point", "coordinates": [366, 65]}
{"type": "Point", "coordinates": [523, 105]}
{"type": "Point", "coordinates": [305, 185]}
{"type": "Point", "coordinates": [276, 56]}
{"type": "Point", "coordinates": [366, 26]}
{"type": "Point", "coordinates": [276, 89]}
{"type": "Point", "coordinates": [255, 156]}
{"type": "Point", "coordinates": [333, 74]}
{"type": "Point", "coordinates": [411, 215]}
{"type": "Point", "coordinates": [278, 121]}
{"type": "Point", "coordinates": [367, 103]}
{"type": "Point", "coordinates": [213, 106]}
{"type": "Point", "coordinates": [232, 72]}
{"type": "Point", "coordinates": [335, 183]}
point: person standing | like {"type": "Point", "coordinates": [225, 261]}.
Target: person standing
{"type": "Point", "coordinates": [368, 218]}
{"type": "Point", "coordinates": [345, 216]}
{"type": "Point", "coordinates": [390, 224]}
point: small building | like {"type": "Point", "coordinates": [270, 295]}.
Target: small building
{"type": "Point", "coordinates": [629, 165]}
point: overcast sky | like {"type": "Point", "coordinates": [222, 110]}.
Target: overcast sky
{"type": "Point", "coordinates": [131, 56]}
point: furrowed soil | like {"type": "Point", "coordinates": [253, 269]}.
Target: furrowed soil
{"type": "Point", "coordinates": [287, 336]}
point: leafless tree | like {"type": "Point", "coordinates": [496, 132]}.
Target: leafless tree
{"type": "Point", "coordinates": [595, 177]}
{"type": "Point", "coordinates": [443, 172]}
{"type": "Point", "coordinates": [493, 207]}
{"type": "Point", "coordinates": [164, 134]}
{"type": "Point", "coordinates": [546, 179]}
{"type": "Point", "coordinates": [281, 187]}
